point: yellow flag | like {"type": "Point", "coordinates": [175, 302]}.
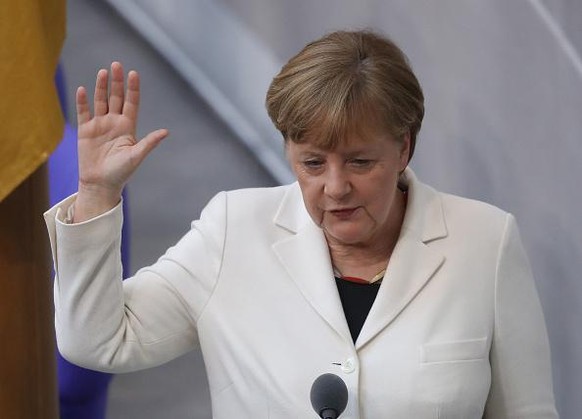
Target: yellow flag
{"type": "Point", "coordinates": [31, 122]}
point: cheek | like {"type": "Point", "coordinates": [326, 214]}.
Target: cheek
{"type": "Point", "coordinates": [311, 197]}
{"type": "Point", "coordinates": [379, 198]}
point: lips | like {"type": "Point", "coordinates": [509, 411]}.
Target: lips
{"type": "Point", "coordinates": [343, 212]}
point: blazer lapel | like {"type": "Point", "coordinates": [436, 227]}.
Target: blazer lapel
{"type": "Point", "coordinates": [305, 257]}
{"type": "Point", "coordinates": [413, 262]}
{"type": "Point", "coordinates": [411, 266]}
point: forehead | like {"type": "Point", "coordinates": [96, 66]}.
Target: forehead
{"type": "Point", "coordinates": [331, 131]}
{"type": "Point", "coordinates": [351, 144]}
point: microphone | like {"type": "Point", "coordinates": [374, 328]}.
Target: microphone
{"type": "Point", "coordinates": [329, 396]}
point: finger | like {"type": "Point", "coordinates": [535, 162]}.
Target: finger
{"type": "Point", "coordinates": [83, 113]}
{"type": "Point", "coordinates": [148, 143]}
{"type": "Point", "coordinates": [116, 92]}
{"type": "Point", "coordinates": [100, 99]}
{"type": "Point", "coordinates": [131, 105]}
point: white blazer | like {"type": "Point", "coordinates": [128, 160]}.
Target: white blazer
{"type": "Point", "coordinates": [456, 330]}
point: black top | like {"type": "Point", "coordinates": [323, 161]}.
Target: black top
{"type": "Point", "coordinates": [357, 300]}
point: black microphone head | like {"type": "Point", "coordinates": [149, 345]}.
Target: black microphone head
{"type": "Point", "coordinates": [329, 392]}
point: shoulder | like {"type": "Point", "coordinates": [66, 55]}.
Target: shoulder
{"type": "Point", "coordinates": [463, 207]}
{"type": "Point", "coordinates": [252, 195]}
{"type": "Point", "coordinates": [249, 203]}
{"type": "Point", "coordinates": [256, 199]}
{"type": "Point", "coordinates": [476, 221]}
{"type": "Point", "coordinates": [455, 216]}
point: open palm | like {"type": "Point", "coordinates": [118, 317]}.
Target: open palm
{"type": "Point", "coordinates": [108, 150]}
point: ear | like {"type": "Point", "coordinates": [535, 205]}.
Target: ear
{"type": "Point", "coordinates": [405, 150]}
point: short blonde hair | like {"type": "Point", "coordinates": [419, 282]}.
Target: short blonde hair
{"type": "Point", "coordinates": [343, 83]}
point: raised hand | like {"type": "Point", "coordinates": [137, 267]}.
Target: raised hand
{"type": "Point", "coordinates": [108, 150]}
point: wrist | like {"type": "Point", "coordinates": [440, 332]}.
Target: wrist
{"type": "Point", "coordinates": [93, 200]}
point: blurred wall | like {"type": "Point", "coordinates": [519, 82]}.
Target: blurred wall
{"type": "Point", "coordinates": [503, 81]}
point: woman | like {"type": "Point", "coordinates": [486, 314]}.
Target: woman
{"type": "Point", "coordinates": [422, 302]}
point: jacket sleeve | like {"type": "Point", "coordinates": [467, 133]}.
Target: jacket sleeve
{"type": "Point", "coordinates": [521, 385]}
{"type": "Point", "coordinates": [107, 324]}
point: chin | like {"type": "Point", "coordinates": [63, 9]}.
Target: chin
{"type": "Point", "coordinates": [350, 236]}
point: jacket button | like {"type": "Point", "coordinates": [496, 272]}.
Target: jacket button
{"type": "Point", "coordinates": [349, 365]}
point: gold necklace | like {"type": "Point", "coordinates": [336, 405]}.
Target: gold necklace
{"type": "Point", "coordinates": [376, 279]}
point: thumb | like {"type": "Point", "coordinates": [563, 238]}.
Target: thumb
{"type": "Point", "coordinates": [149, 142]}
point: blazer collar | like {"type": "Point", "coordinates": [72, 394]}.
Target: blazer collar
{"type": "Point", "coordinates": [424, 216]}
{"type": "Point", "coordinates": [305, 256]}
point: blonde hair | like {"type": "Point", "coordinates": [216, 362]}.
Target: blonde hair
{"type": "Point", "coordinates": [344, 83]}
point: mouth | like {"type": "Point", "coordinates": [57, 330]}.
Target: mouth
{"type": "Point", "coordinates": [343, 213]}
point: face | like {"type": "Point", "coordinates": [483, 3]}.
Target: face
{"type": "Point", "coordinates": [351, 191]}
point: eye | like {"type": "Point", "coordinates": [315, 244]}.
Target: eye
{"type": "Point", "coordinates": [313, 163]}
{"type": "Point", "coordinates": [361, 163]}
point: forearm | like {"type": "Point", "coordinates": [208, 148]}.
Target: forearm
{"type": "Point", "coordinates": [98, 324]}
{"type": "Point", "coordinates": [88, 295]}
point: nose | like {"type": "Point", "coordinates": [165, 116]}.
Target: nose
{"type": "Point", "coordinates": [337, 184]}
